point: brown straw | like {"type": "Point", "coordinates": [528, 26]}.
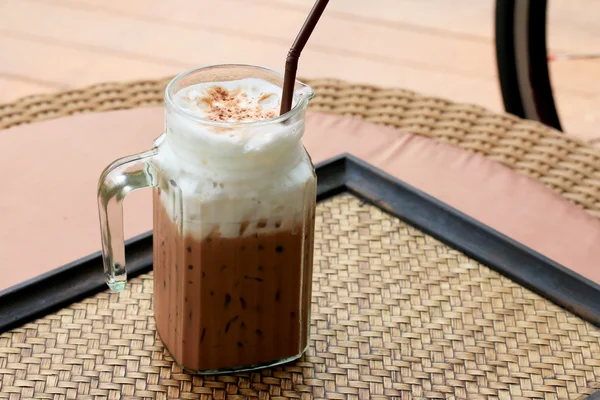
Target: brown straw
{"type": "Point", "coordinates": [291, 62]}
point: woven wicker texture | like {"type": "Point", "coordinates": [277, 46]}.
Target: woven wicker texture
{"type": "Point", "coordinates": [566, 165]}
{"type": "Point", "coordinates": [395, 314]}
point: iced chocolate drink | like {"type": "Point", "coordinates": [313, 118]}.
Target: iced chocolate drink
{"type": "Point", "coordinates": [234, 202]}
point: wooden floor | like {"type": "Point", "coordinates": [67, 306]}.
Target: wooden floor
{"type": "Point", "coordinates": [438, 47]}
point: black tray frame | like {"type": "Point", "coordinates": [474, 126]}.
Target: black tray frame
{"type": "Point", "coordinates": [82, 278]}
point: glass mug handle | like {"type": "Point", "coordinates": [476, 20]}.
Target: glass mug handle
{"type": "Point", "coordinates": [118, 179]}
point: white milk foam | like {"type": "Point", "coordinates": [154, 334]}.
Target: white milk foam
{"type": "Point", "coordinates": [256, 97]}
{"type": "Point", "coordinates": [248, 179]}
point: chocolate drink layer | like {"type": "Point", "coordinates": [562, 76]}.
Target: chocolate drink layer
{"type": "Point", "coordinates": [231, 302]}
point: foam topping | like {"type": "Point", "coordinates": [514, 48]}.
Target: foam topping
{"type": "Point", "coordinates": [243, 100]}
{"type": "Point", "coordinates": [240, 179]}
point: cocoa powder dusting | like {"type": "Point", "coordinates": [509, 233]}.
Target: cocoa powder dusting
{"type": "Point", "coordinates": [233, 106]}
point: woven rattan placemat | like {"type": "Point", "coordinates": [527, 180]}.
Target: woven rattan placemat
{"type": "Point", "coordinates": [395, 313]}
{"type": "Point", "coordinates": [563, 163]}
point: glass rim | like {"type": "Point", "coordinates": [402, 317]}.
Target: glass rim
{"type": "Point", "coordinates": [187, 114]}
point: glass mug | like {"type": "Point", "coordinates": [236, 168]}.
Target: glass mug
{"type": "Point", "coordinates": [233, 230]}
